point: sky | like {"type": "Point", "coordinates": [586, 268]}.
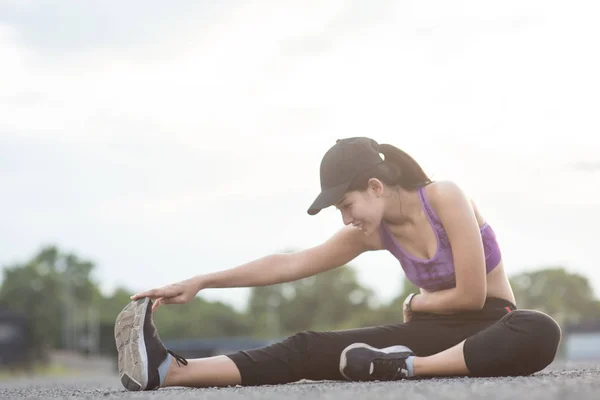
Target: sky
{"type": "Point", "coordinates": [165, 140]}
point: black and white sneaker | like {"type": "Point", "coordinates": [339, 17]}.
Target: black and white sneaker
{"type": "Point", "coordinates": [361, 362]}
{"type": "Point", "coordinates": [140, 350]}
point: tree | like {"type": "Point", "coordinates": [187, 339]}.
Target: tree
{"type": "Point", "coordinates": [199, 319]}
{"type": "Point", "coordinates": [55, 291]}
{"type": "Point", "coordinates": [110, 306]}
{"type": "Point", "coordinates": [386, 314]}
{"type": "Point", "coordinates": [568, 297]}
{"type": "Point", "coordinates": [322, 302]}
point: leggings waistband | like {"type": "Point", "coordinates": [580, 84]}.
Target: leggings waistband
{"type": "Point", "coordinates": [495, 302]}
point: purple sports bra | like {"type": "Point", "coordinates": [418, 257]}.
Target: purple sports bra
{"type": "Point", "coordinates": [437, 273]}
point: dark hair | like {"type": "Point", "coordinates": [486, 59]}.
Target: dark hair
{"type": "Point", "coordinates": [398, 169]}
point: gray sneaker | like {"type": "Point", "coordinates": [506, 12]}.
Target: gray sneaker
{"type": "Point", "coordinates": [361, 362]}
{"type": "Point", "coordinates": [140, 350]}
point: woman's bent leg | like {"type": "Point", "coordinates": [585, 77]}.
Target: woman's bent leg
{"type": "Point", "coordinates": [521, 343]}
{"type": "Point", "coordinates": [449, 362]}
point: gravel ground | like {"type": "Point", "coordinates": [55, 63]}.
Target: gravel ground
{"type": "Point", "coordinates": [559, 381]}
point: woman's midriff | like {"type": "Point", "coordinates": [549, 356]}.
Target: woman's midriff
{"type": "Point", "coordinates": [498, 284]}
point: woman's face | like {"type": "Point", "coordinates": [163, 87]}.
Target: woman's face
{"type": "Point", "coordinates": [363, 209]}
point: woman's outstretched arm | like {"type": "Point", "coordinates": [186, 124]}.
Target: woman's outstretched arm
{"type": "Point", "coordinates": [341, 248]}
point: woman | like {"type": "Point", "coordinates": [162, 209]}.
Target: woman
{"type": "Point", "coordinates": [464, 321]}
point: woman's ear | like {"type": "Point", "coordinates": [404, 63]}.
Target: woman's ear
{"type": "Point", "coordinates": [376, 186]}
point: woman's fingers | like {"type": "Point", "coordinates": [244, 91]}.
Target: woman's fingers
{"type": "Point", "coordinates": [153, 294]}
{"type": "Point", "coordinates": [157, 303]}
{"type": "Point", "coordinates": [172, 300]}
{"type": "Point", "coordinates": [167, 300]}
{"type": "Point", "coordinates": [167, 291]}
{"type": "Point", "coordinates": [172, 294]}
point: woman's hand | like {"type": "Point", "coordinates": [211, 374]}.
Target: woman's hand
{"type": "Point", "coordinates": [176, 293]}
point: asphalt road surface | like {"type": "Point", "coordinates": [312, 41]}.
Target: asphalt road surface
{"type": "Point", "coordinates": [559, 381]}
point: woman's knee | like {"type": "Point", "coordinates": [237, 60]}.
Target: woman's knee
{"type": "Point", "coordinates": [299, 342]}
{"type": "Point", "coordinates": [313, 355]}
{"type": "Point", "coordinates": [539, 327]}
{"type": "Point", "coordinates": [521, 343]}
{"type": "Point", "coordinates": [540, 338]}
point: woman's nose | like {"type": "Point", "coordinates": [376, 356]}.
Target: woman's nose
{"type": "Point", "coordinates": [346, 218]}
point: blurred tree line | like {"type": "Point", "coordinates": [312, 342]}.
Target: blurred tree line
{"type": "Point", "coordinates": [67, 310]}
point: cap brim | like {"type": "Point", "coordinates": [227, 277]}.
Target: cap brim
{"type": "Point", "coordinates": [328, 198]}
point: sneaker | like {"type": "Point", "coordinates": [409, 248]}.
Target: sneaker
{"type": "Point", "coordinates": [140, 350]}
{"type": "Point", "coordinates": [361, 362]}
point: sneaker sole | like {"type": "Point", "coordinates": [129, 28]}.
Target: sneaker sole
{"type": "Point", "coordinates": [387, 350]}
{"type": "Point", "coordinates": [131, 348]}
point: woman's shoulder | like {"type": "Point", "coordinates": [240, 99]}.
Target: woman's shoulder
{"type": "Point", "coordinates": [440, 192]}
{"type": "Point", "coordinates": [445, 195]}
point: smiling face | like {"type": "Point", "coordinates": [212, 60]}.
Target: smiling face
{"type": "Point", "coordinates": [363, 209]}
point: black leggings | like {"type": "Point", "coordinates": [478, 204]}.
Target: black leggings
{"type": "Point", "coordinates": [500, 341]}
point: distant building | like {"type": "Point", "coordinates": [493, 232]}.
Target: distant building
{"type": "Point", "coordinates": [582, 341]}
{"type": "Point", "coordinates": [14, 339]}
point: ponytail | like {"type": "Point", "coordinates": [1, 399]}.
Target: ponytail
{"type": "Point", "coordinates": [409, 173]}
{"type": "Point", "coordinates": [397, 169]}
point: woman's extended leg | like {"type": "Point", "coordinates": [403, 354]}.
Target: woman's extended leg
{"type": "Point", "coordinates": [222, 371]}
{"type": "Point", "coordinates": [304, 355]}
{"type": "Point", "coordinates": [203, 372]}
{"type": "Point", "coordinates": [145, 364]}
{"type": "Point", "coordinates": [315, 355]}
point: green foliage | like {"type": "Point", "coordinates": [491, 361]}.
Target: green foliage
{"type": "Point", "coordinates": [110, 306]}
{"type": "Point", "coordinates": [57, 290]}
{"type": "Point", "coordinates": [43, 287]}
{"type": "Point", "coordinates": [390, 313]}
{"type": "Point", "coordinates": [322, 302]}
{"type": "Point", "coordinates": [568, 297]}
{"type": "Point", "coordinates": [199, 318]}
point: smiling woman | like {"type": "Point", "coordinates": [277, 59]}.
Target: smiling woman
{"type": "Point", "coordinates": [463, 322]}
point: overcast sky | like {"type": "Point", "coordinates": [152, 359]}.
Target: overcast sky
{"type": "Point", "coordinates": [163, 140]}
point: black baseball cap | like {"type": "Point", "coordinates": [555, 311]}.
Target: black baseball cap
{"type": "Point", "coordinates": [340, 165]}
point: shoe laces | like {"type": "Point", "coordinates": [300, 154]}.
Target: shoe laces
{"type": "Point", "coordinates": [180, 360]}
{"type": "Point", "coordinates": [389, 369]}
